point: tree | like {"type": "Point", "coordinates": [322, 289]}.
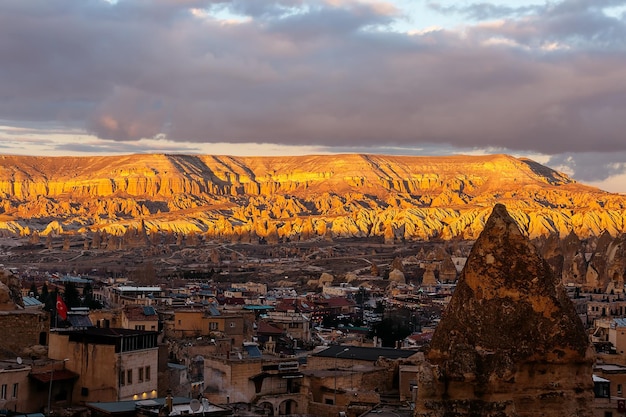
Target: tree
{"type": "Point", "coordinates": [361, 297]}
{"type": "Point", "coordinates": [72, 298]}
{"type": "Point", "coordinates": [50, 301]}
{"type": "Point", "coordinates": [87, 291]}
{"type": "Point", "coordinates": [33, 292]}
{"type": "Point", "coordinates": [43, 297]}
{"type": "Point", "coordinates": [88, 300]}
{"type": "Point", "coordinates": [389, 331]}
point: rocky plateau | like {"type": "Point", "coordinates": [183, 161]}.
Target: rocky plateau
{"type": "Point", "coordinates": [244, 199]}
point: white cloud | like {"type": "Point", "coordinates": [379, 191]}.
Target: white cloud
{"type": "Point", "coordinates": [613, 184]}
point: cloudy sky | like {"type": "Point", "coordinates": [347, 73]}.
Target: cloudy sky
{"type": "Point", "coordinates": [546, 80]}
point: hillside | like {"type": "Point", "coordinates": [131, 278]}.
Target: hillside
{"type": "Point", "coordinates": [296, 197]}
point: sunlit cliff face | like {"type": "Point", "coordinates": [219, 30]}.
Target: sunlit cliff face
{"type": "Point", "coordinates": [244, 198]}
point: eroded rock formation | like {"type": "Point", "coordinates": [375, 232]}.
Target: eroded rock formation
{"type": "Point", "coordinates": [10, 291]}
{"type": "Point", "coordinates": [510, 342]}
{"type": "Point", "coordinates": [271, 198]}
{"type": "Point", "coordinates": [597, 262]}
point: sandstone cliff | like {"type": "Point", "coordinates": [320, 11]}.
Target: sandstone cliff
{"type": "Point", "coordinates": [244, 198]}
{"type": "Point", "coordinates": [510, 342]}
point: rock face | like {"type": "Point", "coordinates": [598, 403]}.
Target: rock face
{"type": "Point", "coordinates": [597, 262]}
{"type": "Point", "coordinates": [10, 291]}
{"type": "Point", "coordinates": [244, 199]}
{"type": "Point", "coordinates": [510, 342]}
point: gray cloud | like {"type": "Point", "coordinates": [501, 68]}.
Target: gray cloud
{"type": "Point", "coordinates": [484, 11]}
{"type": "Point", "coordinates": [583, 25]}
{"type": "Point", "coordinates": [543, 79]}
{"type": "Point", "coordinates": [108, 148]}
{"type": "Point", "coordinates": [591, 166]}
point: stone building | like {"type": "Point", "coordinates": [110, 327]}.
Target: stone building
{"type": "Point", "coordinates": [614, 373]}
{"type": "Point", "coordinates": [510, 343]}
{"type": "Point", "coordinates": [119, 295]}
{"type": "Point", "coordinates": [50, 385]}
{"type": "Point", "coordinates": [296, 325]}
{"type": "Point", "coordinates": [112, 364]}
{"type": "Point", "coordinates": [259, 288]}
{"type": "Point", "coordinates": [604, 306]}
{"type": "Point", "coordinates": [28, 327]}
{"type": "Point", "coordinates": [266, 381]}
{"type": "Point", "coordinates": [351, 379]}
{"type": "Point", "coordinates": [609, 337]}
{"type": "Point", "coordinates": [140, 317]}
{"type": "Point", "coordinates": [211, 322]}
{"type": "Point", "coordinates": [14, 387]}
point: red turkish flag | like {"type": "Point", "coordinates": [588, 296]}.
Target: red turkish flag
{"type": "Point", "coordinates": [61, 308]}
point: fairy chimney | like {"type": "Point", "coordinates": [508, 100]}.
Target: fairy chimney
{"type": "Point", "coordinates": [510, 343]}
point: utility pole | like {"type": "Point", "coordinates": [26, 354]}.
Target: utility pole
{"type": "Point", "coordinates": [336, 355]}
{"type": "Point", "coordinates": [50, 386]}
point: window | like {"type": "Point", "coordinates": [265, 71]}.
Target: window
{"type": "Point", "coordinates": [147, 373]}
{"type": "Point", "coordinates": [619, 389]}
{"type": "Point", "coordinates": [15, 390]}
{"type": "Point", "coordinates": [140, 327]}
{"type": "Point", "coordinates": [3, 393]}
{"type": "Point", "coordinates": [140, 375]}
{"type": "Point", "coordinates": [122, 380]}
{"type": "Point", "coordinates": [232, 324]}
{"type": "Point", "coordinates": [601, 389]}
{"type": "Point", "coordinates": [213, 325]}
{"type": "Point", "coordinates": [129, 376]}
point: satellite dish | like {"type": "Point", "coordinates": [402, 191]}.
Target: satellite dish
{"type": "Point", "coordinates": [19, 360]}
{"type": "Point", "coordinates": [194, 405]}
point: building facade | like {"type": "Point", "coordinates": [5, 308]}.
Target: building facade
{"type": "Point", "coordinates": [112, 364]}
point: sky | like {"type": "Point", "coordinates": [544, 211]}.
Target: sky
{"type": "Point", "coordinates": [543, 80]}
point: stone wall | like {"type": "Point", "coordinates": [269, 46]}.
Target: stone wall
{"type": "Point", "coordinates": [26, 327]}
{"type": "Point", "coordinates": [229, 380]}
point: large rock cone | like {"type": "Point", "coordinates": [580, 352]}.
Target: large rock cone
{"type": "Point", "coordinates": [510, 342]}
